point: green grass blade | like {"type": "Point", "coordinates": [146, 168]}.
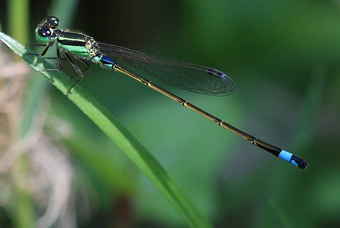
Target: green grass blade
{"type": "Point", "coordinates": [117, 133]}
{"type": "Point", "coordinates": [23, 211]}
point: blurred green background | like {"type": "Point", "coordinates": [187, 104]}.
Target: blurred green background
{"type": "Point", "coordinates": [283, 57]}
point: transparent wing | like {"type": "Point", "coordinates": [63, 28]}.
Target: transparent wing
{"type": "Point", "coordinates": [194, 78]}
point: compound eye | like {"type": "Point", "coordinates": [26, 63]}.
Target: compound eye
{"type": "Point", "coordinates": [52, 22]}
{"type": "Point", "coordinates": [43, 32]}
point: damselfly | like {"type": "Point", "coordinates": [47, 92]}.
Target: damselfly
{"type": "Point", "coordinates": [198, 79]}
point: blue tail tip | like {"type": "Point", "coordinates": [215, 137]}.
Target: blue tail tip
{"type": "Point", "coordinates": [300, 162]}
{"type": "Point", "coordinates": [292, 159]}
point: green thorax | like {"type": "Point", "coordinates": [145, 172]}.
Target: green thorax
{"type": "Point", "coordinates": [77, 44]}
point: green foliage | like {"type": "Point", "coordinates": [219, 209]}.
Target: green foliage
{"type": "Point", "coordinates": [283, 57]}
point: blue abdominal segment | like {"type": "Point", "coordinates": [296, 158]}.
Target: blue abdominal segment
{"type": "Point", "coordinates": [286, 156]}
{"type": "Point", "coordinates": [107, 61]}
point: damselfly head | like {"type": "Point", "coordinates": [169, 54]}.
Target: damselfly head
{"type": "Point", "coordinates": [45, 29]}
